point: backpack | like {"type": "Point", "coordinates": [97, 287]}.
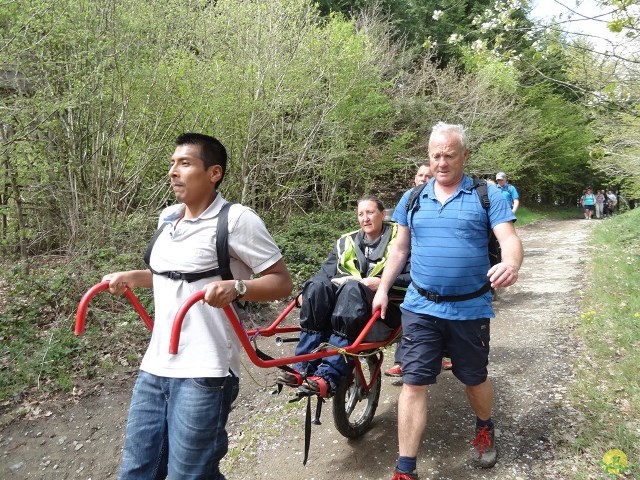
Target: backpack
{"type": "Point", "coordinates": [494, 253]}
{"type": "Point", "coordinates": [493, 250]}
{"type": "Point", "coordinates": [222, 251]}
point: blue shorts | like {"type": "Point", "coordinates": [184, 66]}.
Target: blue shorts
{"type": "Point", "coordinates": [425, 339]}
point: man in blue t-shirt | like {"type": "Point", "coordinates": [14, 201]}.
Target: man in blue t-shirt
{"type": "Point", "coordinates": [448, 303]}
{"type": "Point", "coordinates": [508, 191]}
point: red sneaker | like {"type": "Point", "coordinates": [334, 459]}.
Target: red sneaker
{"type": "Point", "coordinates": [484, 452]}
{"type": "Point", "coordinates": [446, 363]}
{"type": "Point", "coordinates": [404, 475]}
{"type": "Point", "coordinates": [395, 371]}
{"type": "Point", "coordinates": [319, 386]}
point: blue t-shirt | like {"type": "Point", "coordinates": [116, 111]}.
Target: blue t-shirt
{"type": "Point", "coordinates": [510, 193]}
{"type": "Point", "coordinates": [449, 245]}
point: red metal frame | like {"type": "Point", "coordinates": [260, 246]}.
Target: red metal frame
{"type": "Point", "coordinates": [245, 336]}
{"type": "Point", "coordinates": [374, 375]}
{"type": "Point", "coordinates": [81, 316]}
{"type": "Point", "coordinates": [359, 345]}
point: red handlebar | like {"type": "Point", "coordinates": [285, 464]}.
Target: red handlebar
{"type": "Point", "coordinates": [231, 316]}
{"type": "Point", "coordinates": [177, 322]}
{"type": "Point", "coordinates": [243, 335]}
{"type": "Point", "coordinates": [104, 285]}
{"type": "Point", "coordinates": [358, 346]}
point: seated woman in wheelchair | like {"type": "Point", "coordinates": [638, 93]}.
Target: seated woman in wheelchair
{"type": "Point", "coordinates": [335, 304]}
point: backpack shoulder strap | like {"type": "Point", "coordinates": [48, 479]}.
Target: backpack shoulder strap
{"type": "Point", "coordinates": [483, 192]}
{"type": "Point", "coordinates": [414, 197]}
{"type": "Point", "coordinates": [413, 202]}
{"type": "Point", "coordinates": [222, 242]}
{"type": "Point", "coordinates": [222, 251]}
{"type": "Point", "coordinates": [495, 253]}
{"type": "Point", "coordinates": [152, 242]}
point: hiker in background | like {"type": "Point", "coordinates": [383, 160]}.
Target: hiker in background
{"type": "Point", "coordinates": [612, 201]}
{"type": "Point", "coordinates": [588, 203]}
{"type": "Point", "coordinates": [509, 192]}
{"type": "Point", "coordinates": [600, 201]}
{"type": "Point", "coordinates": [180, 403]}
{"type": "Point", "coordinates": [423, 175]}
{"type": "Point", "coordinates": [335, 304]}
{"type": "Point", "coordinates": [448, 303]}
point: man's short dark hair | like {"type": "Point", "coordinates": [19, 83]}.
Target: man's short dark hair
{"type": "Point", "coordinates": [212, 151]}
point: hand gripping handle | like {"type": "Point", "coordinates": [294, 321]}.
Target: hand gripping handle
{"type": "Point", "coordinates": [182, 312]}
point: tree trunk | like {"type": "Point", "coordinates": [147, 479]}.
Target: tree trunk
{"type": "Point", "coordinates": [15, 190]}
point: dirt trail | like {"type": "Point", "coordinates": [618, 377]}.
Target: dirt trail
{"type": "Point", "coordinates": [532, 353]}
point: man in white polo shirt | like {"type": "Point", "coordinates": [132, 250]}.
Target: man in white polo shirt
{"type": "Point", "coordinates": [180, 403]}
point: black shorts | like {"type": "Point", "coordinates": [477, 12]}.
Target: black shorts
{"type": "Point", "coordinates": [590, 207]}
{"type": "Point", "coordinates": [425, 339]}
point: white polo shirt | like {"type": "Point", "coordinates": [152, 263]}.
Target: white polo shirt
{"type": "Point", "coordinates": [208, 345]}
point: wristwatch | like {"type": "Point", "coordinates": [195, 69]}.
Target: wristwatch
{"type": "Point", "coordinates": [241, 289]}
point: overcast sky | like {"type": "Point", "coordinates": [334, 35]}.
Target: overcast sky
{"type": "Point", "coordinates": [579, 17]}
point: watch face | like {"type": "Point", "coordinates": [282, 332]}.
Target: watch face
{"type": "Point", "coordinates": [241, 288]}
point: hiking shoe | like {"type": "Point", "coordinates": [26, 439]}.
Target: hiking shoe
{"type": "Point", "coordinates": [446, 363]}
{"type": "Point", "coordinates": [484, 448]}
{"type": "Point", "coordinates": [395, 371]}
{"type": "Point", "coordinates": [289, 379]}
{"type": "Point", "coordinates": [398, 475]}
{"type": "Point", "coordinates": [318, 386]}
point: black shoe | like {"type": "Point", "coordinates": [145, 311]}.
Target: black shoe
{"type": "Point", "coordinates": [289, 379]}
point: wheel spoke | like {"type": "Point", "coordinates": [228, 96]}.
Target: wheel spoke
{"type": "Point", "coordinates": [353, 409]}
{"type": "Point", "coordinates": [352, 400]}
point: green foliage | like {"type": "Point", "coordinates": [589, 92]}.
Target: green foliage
{"type": "Point", "coordinates": [309, 239]}
{"type": "Point", "coordinates": [296, 100]}
{"type": "Point", "coordinates": [607, 392]}
{"type": "Point", "coordinates": [314, 111]}
{"type": "Point", "coordinates": [39, 350]}
{"type": "Point", "coordinates": [36, 326]}
{"type": "Point", "coordinates": [497, 74]}
{"type": "Point", "coordinates": [615, 157]}
{"type": "Point", "coordinates": [562, 167]}
{"type": "Point", "coordinates": [538, 212]}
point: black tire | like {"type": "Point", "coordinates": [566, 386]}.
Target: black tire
{"type": "Point", "coordinates": [353, 411]}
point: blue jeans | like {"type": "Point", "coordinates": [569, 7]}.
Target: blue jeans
{"type": "Point", "coordinates": [330, 368]}
{"type": "Point", "coordinates": [336, 366]}
{"type": "Point", "coordinates": [325, 309]}
{"type": "Point", "coordinates": [176, 427]}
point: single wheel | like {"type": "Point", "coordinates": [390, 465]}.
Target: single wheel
{"type": "Point", "coordinates": [353, 408]}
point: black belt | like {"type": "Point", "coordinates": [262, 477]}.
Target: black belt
{"type": "Point", "coordinates": [437, 298]}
